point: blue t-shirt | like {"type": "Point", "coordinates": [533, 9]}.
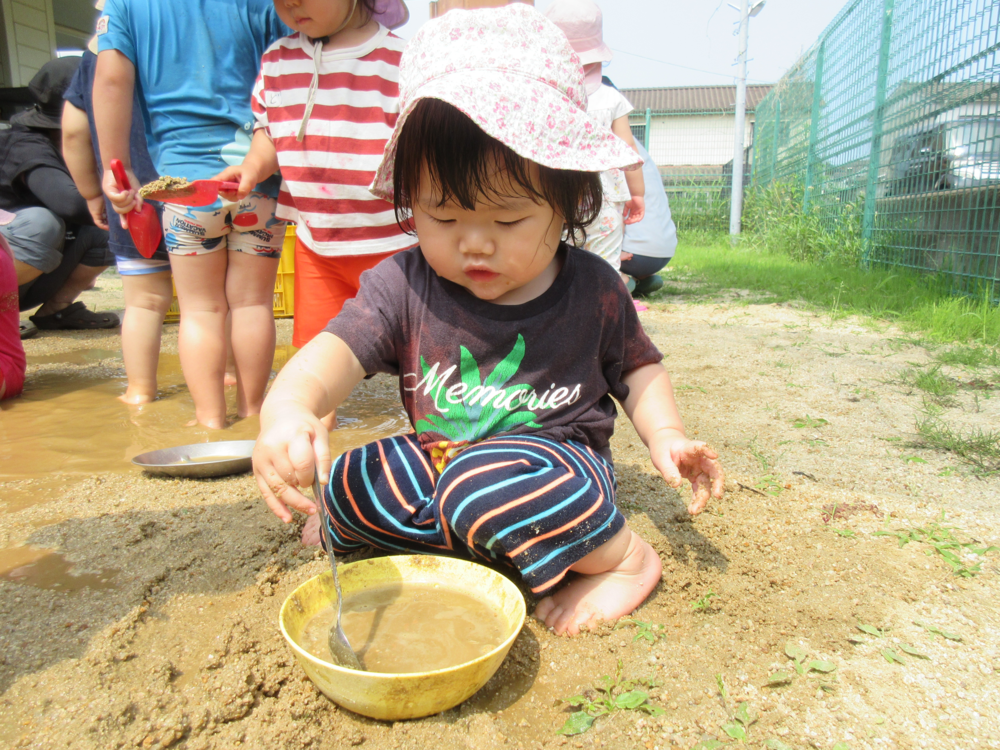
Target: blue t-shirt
{"type": "Point", "coordinates": [196, 63]}
{"type": "Point", "coordinates": [655, 236]}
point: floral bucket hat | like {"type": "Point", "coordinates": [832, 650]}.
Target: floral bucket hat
{"type": "Point", "coordinates": [514, 74]}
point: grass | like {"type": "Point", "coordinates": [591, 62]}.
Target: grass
{"type": "Point", "coordinates": [609, 695]}
{"type": "Point", "coordinates": [977, 447]}
{"type": "Point", "coordinates": [931, 382]}
{"type": "Point", "coordinates": [946, 543]}
{"type": "Point", "coordinates": [915, 303]}
{"type": "Point", "coordinates": [647, 631]}
{"type": "Point", "coordinates": [971, 357]}
{"type": "Point", "coordinates": [704, 603]}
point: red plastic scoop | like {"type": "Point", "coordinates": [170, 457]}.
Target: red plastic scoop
{"type": "Point", "coordinates": [144, 225]}
{"type": "Point", "coordinates": [197, 193]}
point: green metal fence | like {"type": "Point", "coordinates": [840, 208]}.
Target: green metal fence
{"type": "Point", "coordinates": [892, 119]}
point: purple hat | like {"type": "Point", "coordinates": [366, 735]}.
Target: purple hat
{"type": "Point", "coordinates": [514, 74]}
{"type": "Point", "coordinates": [391, 13]}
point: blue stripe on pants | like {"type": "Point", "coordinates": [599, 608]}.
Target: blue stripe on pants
{"type": "Point", "coordinates": [534, 503]}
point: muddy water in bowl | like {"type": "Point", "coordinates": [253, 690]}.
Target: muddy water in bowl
{"type": "Point", "coordinates": [409, 628]}
{"type": "Point", "coordinates": [403, 695]}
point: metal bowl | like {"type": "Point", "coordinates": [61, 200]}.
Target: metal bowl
{"type": "Point", "coordinates": [199, 460]}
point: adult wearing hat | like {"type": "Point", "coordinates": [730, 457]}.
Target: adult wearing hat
{"type": "Point", "coordinates": [58, 250]}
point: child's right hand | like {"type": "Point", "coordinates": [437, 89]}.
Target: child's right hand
{"type": "Point", "coordinates": [123, 201]}
{"type": "Point", "coordinates": [286, 458]}
{"type": "Point", "coordinates": [244, 174]}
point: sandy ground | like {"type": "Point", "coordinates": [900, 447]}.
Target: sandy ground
{"type": "Point", "coordinates": [142, 612]}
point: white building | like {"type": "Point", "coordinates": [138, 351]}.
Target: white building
{"type": "Point", "coordinates": [689, 130]}
{"type": "Point", "coordinates": [34, 29]}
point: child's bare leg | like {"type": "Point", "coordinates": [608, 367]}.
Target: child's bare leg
{"type": "Point", "coordinates": [201, 294]}
{"type": "Point", "coordinates": [250, 291]}
{"type": "Point", "coordinates": [147, 297]}
{"type": "Point", "coordinates": [614, 579]}
{"type": "Point", "coordinates": [230, 377]}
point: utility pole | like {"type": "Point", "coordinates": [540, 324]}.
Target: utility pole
{"type": "Point", "coordinates": [748, 9]}
{"type": "Point", "coordinates": [736, 201]}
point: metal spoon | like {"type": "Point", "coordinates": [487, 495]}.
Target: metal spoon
{"type": "Point", "coordinates": [340, 647]}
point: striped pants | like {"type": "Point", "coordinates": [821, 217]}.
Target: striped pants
{"type": "Point", "coordinates": [534, 503]}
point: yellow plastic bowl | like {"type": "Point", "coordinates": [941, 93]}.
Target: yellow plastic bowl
{"type": "Point", "coordinates": [387, 696]}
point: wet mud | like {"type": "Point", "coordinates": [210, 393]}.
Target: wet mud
{"type": "Point", "coordinates": [140, 611]}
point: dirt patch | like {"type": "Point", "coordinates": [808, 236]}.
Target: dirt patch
{"type": "Point", "coordinates": [178, 646]}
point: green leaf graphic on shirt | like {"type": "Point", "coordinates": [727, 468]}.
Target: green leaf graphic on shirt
{"type": "Point", "coordinates": [475, 421]}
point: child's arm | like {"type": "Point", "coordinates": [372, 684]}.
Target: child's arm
{"type": "Point", "coordinates": [635, 209]}
{"type": "Point", "coordinates": [114, 86]}
{"type": "Point", "coordinates": [78, 153]}
{"type": "Point", "coordinates": [260, 163]}
{"type": "Point", "coordinates": [293, 442]}
{"type": "Point", "coordinates": [651, 407]}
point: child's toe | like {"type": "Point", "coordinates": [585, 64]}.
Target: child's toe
{"type": "Point", "coordinates": [310, 532]}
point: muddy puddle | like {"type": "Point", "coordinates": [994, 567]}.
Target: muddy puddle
{"type": "Point", "coordinates": [74, 397]}
{"type": "Point", "coordinates": [70, 436]}
{"type": "Point", "coordinates": [45, 569]}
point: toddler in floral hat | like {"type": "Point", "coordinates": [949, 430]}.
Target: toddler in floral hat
{"type": "Point", "coordinates": [510, 346]}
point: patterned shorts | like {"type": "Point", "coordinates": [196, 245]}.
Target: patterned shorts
{"type": "Point", "coordinates": [532, 503]}
{"type": "Point", "coordinates": [248, 226]}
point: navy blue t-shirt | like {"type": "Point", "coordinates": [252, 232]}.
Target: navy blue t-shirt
{"type": "Point", "coordinates": [80, 95]}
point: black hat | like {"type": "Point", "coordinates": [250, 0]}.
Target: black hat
{"type": "Point", "coordinates": [48, 86]}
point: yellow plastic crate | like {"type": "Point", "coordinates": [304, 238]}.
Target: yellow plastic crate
{"type": "Point", "coordinates": [284, 284]}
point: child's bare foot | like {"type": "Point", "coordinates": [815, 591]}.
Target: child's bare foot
{"type": "Point", "coordinates": [590, 598]}
{"type": "Point", "coordinates": [212, 424]}
{"type": "Point", "coordinates": [135, 398]}
{"type": "Point", "coordinates": [310, 532]}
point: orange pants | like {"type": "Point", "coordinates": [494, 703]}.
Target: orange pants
{"type": "Point", "coordinates": [322, 286]}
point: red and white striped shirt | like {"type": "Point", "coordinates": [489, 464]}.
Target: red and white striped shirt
{"type": "Point", "coordinates": [324, 189]}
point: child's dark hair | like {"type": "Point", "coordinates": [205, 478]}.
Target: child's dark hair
{"type": "Point", "coordinates": [463, 162]}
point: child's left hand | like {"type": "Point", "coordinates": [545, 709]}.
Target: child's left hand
{"type": "Point", "coordinates": [677, 457]}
